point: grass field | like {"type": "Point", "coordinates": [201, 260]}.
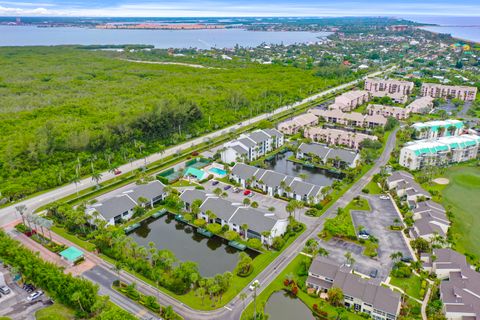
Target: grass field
{"type": "Point", "coordinates": [461, 197]}
{"type": "Point", "coordinates": [411, 286]}
{"type": "Point", "coordinates": [373, 188]}
{"type": "Point", "coordinates": [55, 312]}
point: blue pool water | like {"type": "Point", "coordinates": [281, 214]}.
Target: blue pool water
{"type": "Point", "coordinates": [218, 171]}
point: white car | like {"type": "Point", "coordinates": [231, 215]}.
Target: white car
{"type": "Point", "coordinates": [364, 236]}
{"type": "Point", "coordinates": [35, 295]}
{"type": "Point", "coordinates": [385, 197]}
{"type": "Point", "coordinates": [254, 284]}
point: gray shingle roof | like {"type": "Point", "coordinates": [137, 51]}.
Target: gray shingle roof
{"type": "Point", "coordinates": [149, 191]}
{"type": "Point", "coordinates": [244, 171]}
{"type": "Point", "coordinates": [344, 155]}
{"type": "Point", "coordinates": [317, 149]}
{"type": "Point", "coordinates": [115, 206]}
{"type": "Point", "coordinates": [324, 267]}
{"type": "Point", "coordinates": [222, 208]}
{"type": "Point", "coordinates": [272, 178]}
{"type": "Point", "coordinates": [189, 196]}
{"type": "Point", "coordinates": [399, 175]}
{"type": "Point", "coordinates": [301, 188]}
{"type": "Point", "coordinates": [259, 136]}
{"type": "Point", "coordinates": [273, 132]}
{"type": "Point", "coordinates": [246, 142]}
{"type": "Point", "coordinates": [239, 149]}
{"type": "Point", "coordinates": [255, 219]}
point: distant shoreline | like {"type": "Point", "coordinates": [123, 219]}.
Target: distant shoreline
{"type": "Point", "coordinates": [454, 37]}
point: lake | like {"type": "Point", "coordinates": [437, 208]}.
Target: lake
{"type": "Point", "coordinates": [283, 306]}
{"type": "Point", "coordinates": [316, 176]}
{"type": "Point", "coordinates": [213, 255]}
{"type": "Point", "coordinates": [202, 39]}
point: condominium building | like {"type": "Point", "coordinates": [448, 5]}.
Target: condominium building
{"type": "Point", "coordinates": [388, 111]}
{"type": "Point", "coordinates": [359, 294]}
{"type": "Point", "coordinates": [436, 90]}
{"type": "Point", "coordinates": [337, 137]}
{"type": "Point", "coordinates": [460, 285]}
{"type": "Point", "coordinates": [443, 151]}
{"type": "Point", "coordinates": [338, 156]}
{"type": "Point", "coordinates": [355, 119]}
{"type": "Point", "coordinates": [421, 105]}
{"type": "Point", "coordinates": [297, 123]}
{"type": "Point", "coordinates": [251, 146]}
{"type": "Point", "coordinates": [397, 90]}
{"type": "Point", "coordinates": [437, 129]}
{"type": "Point", "coordinates": [350, 100]}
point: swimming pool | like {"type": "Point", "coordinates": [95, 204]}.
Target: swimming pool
{"type": "Point", "coordinates": [218, 171]}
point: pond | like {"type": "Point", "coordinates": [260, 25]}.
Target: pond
{"type": "Point", "coordinates": [316, 176]}
{"type": "Point", "coordinates": [213, 255]}
{"type": "Point", "coordinates": [283, 306]}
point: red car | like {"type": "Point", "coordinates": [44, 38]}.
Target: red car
{"type": "Point", "coordinates": [117, 172]}
{"type": "Point", "coordinates": [246, 192]}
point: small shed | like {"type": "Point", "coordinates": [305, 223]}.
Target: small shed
{"type": "Point", "coordinates": [71, 254]}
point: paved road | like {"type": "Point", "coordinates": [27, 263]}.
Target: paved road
{"type": "Point", "coordinates": [7, 215]}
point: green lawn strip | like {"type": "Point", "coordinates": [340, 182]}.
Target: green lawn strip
{"type": "Point", "coordinates": [373, 188]}
{"type": "Point", "coordinates": [70, 237]}
{"type": "Point", "coordinates": [277, 285]}
{"type": "Point", "coordinates": [411, 285]}
{"type": "Point", "coordinates": [184, 183]}
{"type": "Point", "coordinates": [55, 312]}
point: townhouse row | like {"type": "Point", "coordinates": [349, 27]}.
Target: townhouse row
{"type": "Point", "coordinates": [338, 157]}
{"type": "Point", "coordinates": [337, 137]}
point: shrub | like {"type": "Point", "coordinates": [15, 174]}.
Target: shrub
{"type": "Point", "coordinates": [278, 243]}
{"type": "Point", "coordinates": [116, 283]}
{"type": "Point", "coordinates": [254, 243]}
{"type": "Point", "coordinates": [365, 190]}
{"type": "Point", "coordinates": [214, 228]}
{"type": "Point", "coordinates": [231, 235]}
{"type": "Point", "coordinates": [313, 212]}
{"type": "Point", "coordinates": [21, 228]}
{"type": "Point", "coordinates": [295, 290]}
{"type": "Point", "coordinates": [200, 223]}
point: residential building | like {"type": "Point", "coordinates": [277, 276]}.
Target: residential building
{"type": "Point", "coordinates": [440, 152]}
{"type": "Point", "coordinates": [350, 100]}
{"type": "Point", "coordinates": [235, 215]}
{"type": "Point", "coordinates": [274, 183]}
{"type": "Point", "coordinates": [405, 187]}
{"type": "Point", "coordinates": [297, 123]}
{"type": "Point", "coordinates": [460, 288]}
{"type": "Point", "coordinates": [120, 207]}
{"type": "Point", "coordinates": [338, 156]}
{"type": "Point", "coordinates": [388, 111]}
{"type": "Point", "coordinates": [437, 129]}
{"type": "Point", "coordinates": [435, 90]}
{"type": "Point", "coordinates": [397, 90]}
{"type": "Point", "coordinates": [359, 294]}
{"type": "Point", "coordinates": [251, 146]}
{"type": "Point", "coordinates": [338, 137]}
{"type": "Point", "coordinates": [421, 105]}
{"type": "Point", "coordinates": [354, 119]}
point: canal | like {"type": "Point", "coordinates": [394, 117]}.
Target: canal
{"type": "Point", "coordinates": [283, 306]}
{"type": "Point", "coordinates": [213, 255]}
{"type": "Point", "coordinates": [321, 177]}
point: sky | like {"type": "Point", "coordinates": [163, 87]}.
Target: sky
{"type": "Point", "coordinates": [237, 8]}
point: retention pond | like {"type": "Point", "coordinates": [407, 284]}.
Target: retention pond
{"type": "Point", "coordinates": [283, 306]}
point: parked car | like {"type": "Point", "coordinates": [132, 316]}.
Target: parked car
{"type": "Point", "coordinates": [4, 290]}
{"type": "Point", "coordinates": [363, 236]}
{"type": "Point", "coordinates": [35, 295]}
{"type": "Point", "coordinates": [247, 192]}
{"type": "Point", "coordinates": [28, 287]}
{"type": "Point", "coordinates": [406, 259]}
{"type": "Point", "coordinates": [236, 190]}
{"type": "Point", "coordinates": [384, 197]}
{"type": "Point", "coordinates": [373, 273]}
{"type": "Point", "coordinates": [117, 172]}
{"type": "Point", "coordinates": [215, 182]}
{"type": "Point", "coordinates": [250, 194]}
{"type": "Point", "coordinates": [227, 187]}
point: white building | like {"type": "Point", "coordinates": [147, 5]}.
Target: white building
{"type": "Point", "coordinates": [437, 129]}
{"type": "Point", "coordinates": [251, 146]}
{"type": "Point", "coordinates": [443, 151]}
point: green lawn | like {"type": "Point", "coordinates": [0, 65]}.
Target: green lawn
{"type": "Point", "coordinates": [277, 285]}
{"type": "Point", "coordinates": [55, 312]}
{"type": "Point", "coordinates": [184, 183]}
{"type": "Point", "coordinates": [411, 286]}
{"type": "Point", "coordinates": [373, 188]}
{"type": "Point", "coordinates": [342, 225]}
{"type": "Point", "coordinates": [461, 194]}
{"type": "Point", "coordinates": [81, 243]}
{"type": "Point", "coordinates": [361, 204]}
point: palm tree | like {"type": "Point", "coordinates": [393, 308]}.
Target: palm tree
{"type": "Point", "coordinates": [76, 181]}
{"type": "Point", "coordinates": [395, 256]}
{"type": "Point", "coordinates": [21, 209]}
{"type": "Point", "coordinates": [243, 297]}
{"type": "Point", "coordinates": [245, 230]}
{"type": "Point", "coordinates": [96, 177]}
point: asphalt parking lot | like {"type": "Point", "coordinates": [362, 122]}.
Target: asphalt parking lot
{"type": "Point", "coordinates": [264, 202]}
{"type": "Point", "coordinates": [15, 304]}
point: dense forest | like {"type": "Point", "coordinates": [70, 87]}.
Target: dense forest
{"type": "Point", "coordinates": [66, 112]}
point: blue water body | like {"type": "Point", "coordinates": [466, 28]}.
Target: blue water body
{"type": "Point", "coordinates": [202, 39]}
{"type": "Point", "coordinates": [467, 28]}
{"type": "Point", "coordinates": [218, 171]}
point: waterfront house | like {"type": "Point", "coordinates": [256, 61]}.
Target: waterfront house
{"type": "Point", "coordinates": [339, 157]}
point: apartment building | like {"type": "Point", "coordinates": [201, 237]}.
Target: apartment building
{"type": "Point", "coordinates": [359, 294]}
{"type": "Point", "coordinates": [436, 90]}
{"type": "Point", "coordinates": [405, 187]}
{"type": "Point", "coordinates": [388, 111]}
{"type": "Point", "coordinates": [235, 215]}
{"type": "Point", "coordinates": [421, 105]}
{"type": "Point", "coordinates": [354, 119]}
{"type": "Point", "coordinates": [397, 90]}
{"type": "Point", "coordinates": [416, 155]}
{"type": "Point", "coordinates": [337, 137]}
{"type": "Point", "coordinates": [251, 146]}
{"type": "Point", "coordinates": [350, 100]}
{"type": "Point", "coordinates": [342, 158]}
{"type": "Point", "coordinates": [297, 123]}
{"type": "Point", "coordinates": [276, 184]}
{"type": "Point", "coordinates": [437, 129]}
{"type": "Point", "coordinates": [460, 285]}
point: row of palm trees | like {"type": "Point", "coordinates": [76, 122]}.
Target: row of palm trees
{"type": "Point", "coordinates": [37, 221]}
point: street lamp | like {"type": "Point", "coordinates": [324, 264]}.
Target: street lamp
{"type": "Point", "coordinates": [255, 285]}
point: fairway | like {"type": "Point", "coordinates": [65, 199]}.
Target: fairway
{"type": "Point", "coordinates": [462, 194]}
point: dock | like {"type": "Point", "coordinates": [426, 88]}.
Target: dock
{"type": "Point", "coordinates": [132, 227]}
{"type": "Point", "coordinates": [204, 232]}
{"type": "Point", "coordinates": [159, 213]}
{"type": "Point", "coordinates": [237, 245]}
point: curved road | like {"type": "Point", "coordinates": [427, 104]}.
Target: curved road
{"type": "Point", "coordinates": [8, 214]}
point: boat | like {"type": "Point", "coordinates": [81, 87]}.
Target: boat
{"type": "Point", "coordinates": [204, 232]}
{"type": "Point", "coordinates": [237, 245]}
